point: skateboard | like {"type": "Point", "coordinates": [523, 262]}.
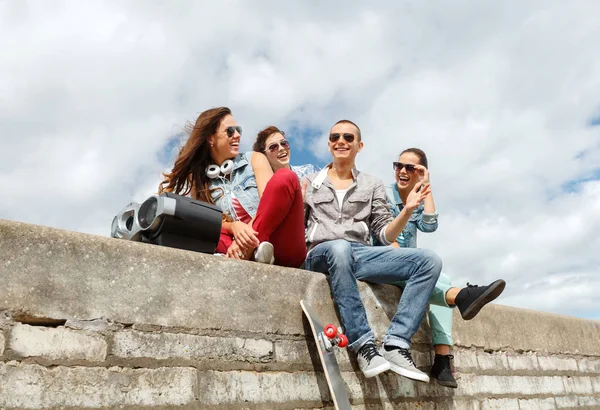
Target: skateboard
{"type": "Point", "coordinates": [327, 339]}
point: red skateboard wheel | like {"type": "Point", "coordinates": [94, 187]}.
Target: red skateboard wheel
{"type": "Point", "coordinates": [330, 331]}
{"type": "Point", "coordinates": [342, 340]}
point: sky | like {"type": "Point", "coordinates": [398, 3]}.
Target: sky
{"type": "Point", "coordinates": [504, 97]}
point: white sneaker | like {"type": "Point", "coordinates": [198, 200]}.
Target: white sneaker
{"type": "Point", "coordinates": [370, 360]}
{"type": "Point", "coordinates": [401, 362]}
{"type": "Point", "coordinates": [265, 253]}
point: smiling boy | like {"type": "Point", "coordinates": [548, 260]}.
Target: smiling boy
{"type": "Point", "coordinates": [342, 207]}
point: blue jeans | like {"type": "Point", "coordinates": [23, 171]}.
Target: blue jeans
{"type": "Point", "coordinates": [440, 314]}
{"type": "Point", "coordinates": [346, 262]}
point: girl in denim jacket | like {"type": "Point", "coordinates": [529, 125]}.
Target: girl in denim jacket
{"type": "Point", "coordinates": [411, 169]}
{"type": "Point", "coordinates": [263, 212]}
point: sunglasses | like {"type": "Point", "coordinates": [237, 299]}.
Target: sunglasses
{"type": "Point", "coordinates": [335, 137]}
{"type": "Point", "coordinates": [285, 144]}
{"type": "Point", "coordinates": [409, 167]}
{"type": "Point", "coordinates": [231, 130]}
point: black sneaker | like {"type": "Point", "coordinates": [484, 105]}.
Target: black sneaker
{"type": "Point", "coordinates": [471, 299]}
{"type": "Point", "coordinates": [441, 370]}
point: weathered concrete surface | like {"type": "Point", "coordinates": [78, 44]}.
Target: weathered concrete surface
{"type": "Point", "coordinates": [121, 281]}
{"type": "Point", "coordinates": [131, 344]}
{"type": "Point", "coordinates": [499, 327]}
{"type": "Point", "coordinates": [235, 387]}
{"type": "Point", "coordinates": [131, 282]}
{"type": "Point", "coordinates": [57, 344]}
{"type": "Point", "coordinates": [252, 387]}
{"type": "Point", "coordinates": [33, 386]}
{"type": "Point", "coordinates": [128, 325]}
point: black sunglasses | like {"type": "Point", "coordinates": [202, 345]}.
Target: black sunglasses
{"type": "Point", "coordinates": [285, 144]}
{"type": "Point", "coordinates": [231, 130]}
{"type": "Point", "coordinates": [409, 167]}
{"type": "Point", "coordinates": [335, 137]}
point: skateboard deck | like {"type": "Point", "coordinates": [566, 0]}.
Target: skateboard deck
{"type": "Point", "coordinates": [326, 348]}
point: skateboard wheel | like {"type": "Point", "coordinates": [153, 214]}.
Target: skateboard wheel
{"type": "Point", "coordinates": [330, 331]}
{"type": "Point", "coordinates": [342, 341]}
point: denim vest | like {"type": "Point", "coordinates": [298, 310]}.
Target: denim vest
{"type": "Point", "coordinates": [241, 184]}
{"type": "Point", "coordinates": [419, 220]}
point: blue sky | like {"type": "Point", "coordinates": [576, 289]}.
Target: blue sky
{"type": "Point", "coordinates": [575, 184]}
{"type": "Point", "coordinates": [593, 174]}
{"type": "Point", "coordinates": [594, 121]}
{"type": "Point", "coordinates": [301, 139]}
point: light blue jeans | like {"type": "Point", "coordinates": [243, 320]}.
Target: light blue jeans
{"type": "Point", "coordinates": [440, 314]}
{"type": "Point", "coordinates": [346, 262]}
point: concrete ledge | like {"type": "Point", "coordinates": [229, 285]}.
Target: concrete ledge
{"type": "Point", "coordinates": [128, 282]}
{"type": "Point", "coordinates": [500, 327]}
{"type": "Point", "coordinates": [62, 275]}
{"type": "Point", "coordinates": [88, 321]}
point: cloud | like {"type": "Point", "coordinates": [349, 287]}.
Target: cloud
{"type": "Point", "coordinates": [503, 98]}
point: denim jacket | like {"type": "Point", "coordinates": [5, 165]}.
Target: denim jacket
{"type": "Point", "coordinates": [364, 210]}
{"type": "Point", "coordinates": [242, 184]}
{"type": "Point", "coordinates": [418, 220]}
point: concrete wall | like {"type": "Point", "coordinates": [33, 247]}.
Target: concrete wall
{"type": "Point", "coordinates": [88, 321]}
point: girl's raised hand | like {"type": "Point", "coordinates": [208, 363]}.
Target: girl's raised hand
{"type": "Point", "coordinates": [423, 174]}
{"type": "Point", "coordinates": [417, 195]}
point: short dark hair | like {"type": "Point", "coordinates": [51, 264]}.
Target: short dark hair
{"type": "Point", "coordinates": [261, 138]}
{"type": "Point", "coordinates": [351, 123]}
{"type": "Point", "coordinates": [419, 153]}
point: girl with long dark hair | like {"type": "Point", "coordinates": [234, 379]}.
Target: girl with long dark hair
{"type": "Point", "coordinates": [263, 213]}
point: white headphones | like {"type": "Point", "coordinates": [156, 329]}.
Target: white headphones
{"type": "Point", "coordinates": [214, 171]}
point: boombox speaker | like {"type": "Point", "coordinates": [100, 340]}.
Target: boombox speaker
{"type": "Point", "coordinates": [170, 220]}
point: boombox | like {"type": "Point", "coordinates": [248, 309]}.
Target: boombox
{"type": "Point", "coordinates": [170, 220]}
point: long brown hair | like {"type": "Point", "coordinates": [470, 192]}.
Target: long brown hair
{"type": "Point", "coordinates": [189, 171]}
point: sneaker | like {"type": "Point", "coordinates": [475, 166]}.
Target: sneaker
{"type": "Point", "coordinates": [441, 370]}
{"type": "Point", "coordinates": [402, 363]}
{"type": "Point", "coordinates": [265, 253]}
{"type": "Point", "coordinates": [370, 361]}
{"type": "Point", "coordinates": [471, 299]}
